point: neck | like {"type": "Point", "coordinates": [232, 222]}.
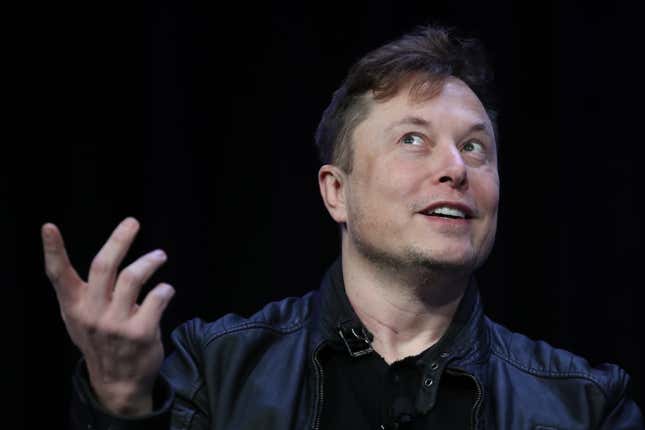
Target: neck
{"type": "Point", "coordinates": [408, 310]}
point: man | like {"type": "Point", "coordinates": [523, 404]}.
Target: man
{"type": "Point", "coordinates": [395, 337]}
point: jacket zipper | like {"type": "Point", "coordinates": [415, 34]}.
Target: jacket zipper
{"type": "Point", "coordinates": [475, 410]}
{"type": "Point", "coordinates": [320, 375]}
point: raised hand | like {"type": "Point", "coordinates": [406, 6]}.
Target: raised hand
{"type": "Point", "coordinates": [120, 340]}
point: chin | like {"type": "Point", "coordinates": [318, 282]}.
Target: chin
{"type": "Point", "coordinates": [448, 259]}
{"type": "Point", "coordinates": [457, 257]}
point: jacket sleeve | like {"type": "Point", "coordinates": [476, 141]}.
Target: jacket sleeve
{"type": "Point", "coordinates": [624, 413]}
{"type": "Point", "coordinates": [86, 413]}
{"type": "Point", "coordinates": [179, 398]}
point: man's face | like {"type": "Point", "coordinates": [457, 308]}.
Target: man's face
{"type": "Point", "coordinates": [414, 157]}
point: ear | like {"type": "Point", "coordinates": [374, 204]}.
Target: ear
{"type": "Point", "coordinates": [332, 182]}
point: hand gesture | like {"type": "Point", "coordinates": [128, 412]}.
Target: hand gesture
{"type": "Point", "coordinates": [120, 339]}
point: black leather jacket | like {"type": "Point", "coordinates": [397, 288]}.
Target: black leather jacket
{"type": "Point", "coordinates": [264, 373]}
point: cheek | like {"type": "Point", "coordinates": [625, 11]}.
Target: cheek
{"type": "Point", "coordinates": [390, 180]}
{"type": "Point", "coordinates": [486, 190]}
{"type": "Point", "coordinates": [402, 179]}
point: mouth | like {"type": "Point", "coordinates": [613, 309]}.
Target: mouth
{"type": "Point", "coordinates": [449, 211]}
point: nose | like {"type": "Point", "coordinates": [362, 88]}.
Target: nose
{"type": "Point", "coordinates": [450, 167]}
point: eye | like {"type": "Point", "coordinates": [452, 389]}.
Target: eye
{"type": "Point", "coordinates": [411, 139]}
{"type": "Point", "coordinates": [473, 146]}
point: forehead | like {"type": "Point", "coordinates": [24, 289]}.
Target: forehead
{"type": "Point", "coordinates": [452, 103]}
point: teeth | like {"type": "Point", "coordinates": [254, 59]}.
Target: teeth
{"type": "Point", "coordinates": [443, 210]}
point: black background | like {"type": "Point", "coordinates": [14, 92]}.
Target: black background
{"type": "Point", "coordinates": [199, 121]}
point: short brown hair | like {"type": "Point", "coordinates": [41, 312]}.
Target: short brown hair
{"type": "Point", "coordinates": [429, 55]}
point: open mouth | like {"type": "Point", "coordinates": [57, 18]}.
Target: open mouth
{"type": "Point", "coordinates": [447, 212]}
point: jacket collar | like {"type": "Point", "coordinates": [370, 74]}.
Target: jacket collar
{"type": "Point", "coordinates": [464, 342]}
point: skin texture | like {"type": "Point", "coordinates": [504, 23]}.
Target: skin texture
{"type": "Point", "coordinates": [120, 340]}
{"type": "Point", "coordinates": [406, 272]}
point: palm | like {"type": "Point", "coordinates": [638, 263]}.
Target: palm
{"type": "Point", "coordinates": [120, 339]}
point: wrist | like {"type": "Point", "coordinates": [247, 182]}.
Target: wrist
{"type": "Point", "coordinates": [124, 401]}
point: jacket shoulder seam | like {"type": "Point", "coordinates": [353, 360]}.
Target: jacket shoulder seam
{"type": "Point", "coordinates": [549, 374]}
{"type": "Point", "coordinates": [250, 325]}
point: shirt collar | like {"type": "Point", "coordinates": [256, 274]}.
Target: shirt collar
{"type": "Point", "coordinates": [342, 328]}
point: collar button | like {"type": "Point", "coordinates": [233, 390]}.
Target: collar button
{"type": "Point", "coordinates": [428, 382]}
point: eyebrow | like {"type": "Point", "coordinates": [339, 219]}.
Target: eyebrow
{"type": "Point", "coordinates": [418, 121]}
{"type": "Point", "coordinates": [480, 126]}
{"type": "Point", "coordinates": [409, 120]}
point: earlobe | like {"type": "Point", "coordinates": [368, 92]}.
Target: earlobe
{"type": "Point", "coordinates": [332, 182]}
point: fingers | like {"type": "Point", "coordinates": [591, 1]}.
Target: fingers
{"type": "Point", "coordinates": [57, 266]}
{"type": "Point", "coordinates": [103, 273]}
{"type": "Point", "coordinates": [130, 281]}
{"type": "Point", "coordinates": [106, 263]}
{"type": "Point", "coordinates": [153, 306]}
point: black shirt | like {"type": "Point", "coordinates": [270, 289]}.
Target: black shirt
{"type": "Point", "coordinates": [364, 392]}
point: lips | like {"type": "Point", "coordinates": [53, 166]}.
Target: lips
{"type": "Point", "coordinates": [449, 210]}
